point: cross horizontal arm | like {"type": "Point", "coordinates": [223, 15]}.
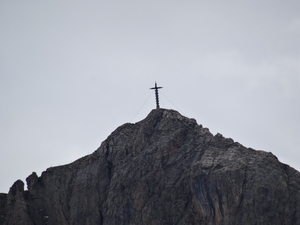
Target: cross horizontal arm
{"type": "Point", "coordinates": [156, 88]}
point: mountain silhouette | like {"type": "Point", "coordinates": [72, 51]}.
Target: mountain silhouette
{"type": "Point", "coordinates": [165, 169]}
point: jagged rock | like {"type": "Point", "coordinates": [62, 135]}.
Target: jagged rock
{"type": "Point", "coordinates": [165, 169]}
{"type": "Point", "coordinates": [3, 202]}
{"type": "Point", "coordinates": [16, 209]}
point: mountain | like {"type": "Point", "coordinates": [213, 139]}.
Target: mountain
{"type": "Point", "coordinates": [165, 169]}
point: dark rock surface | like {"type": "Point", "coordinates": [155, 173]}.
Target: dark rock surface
{"type": "Point", "coordinates": [166, 169]}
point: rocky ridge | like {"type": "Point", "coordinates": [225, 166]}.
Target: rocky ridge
{"type": "Point", "coordinates": [165, 169]}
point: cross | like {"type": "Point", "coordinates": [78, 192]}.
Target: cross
{"type": "Point", "coordinates": [156, 95]}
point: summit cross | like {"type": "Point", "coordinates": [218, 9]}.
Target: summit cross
{"type": "Point", "coordinates": [156, 94]}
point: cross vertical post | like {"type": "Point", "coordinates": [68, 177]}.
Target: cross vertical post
{"type": "Point", "coordinates": [156, 95]}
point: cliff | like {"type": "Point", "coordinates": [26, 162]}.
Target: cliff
{"type": "Point", "coordinates": [165, 169]}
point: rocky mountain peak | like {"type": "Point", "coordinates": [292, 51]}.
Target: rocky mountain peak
{"type": "Point", "coordinates": [165, 169]}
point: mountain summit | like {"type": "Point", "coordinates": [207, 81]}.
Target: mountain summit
{"type": "Point", "coordinates": [165, 169]}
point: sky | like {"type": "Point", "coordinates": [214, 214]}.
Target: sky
{"type": "Point", "coordinates": [73, 71]}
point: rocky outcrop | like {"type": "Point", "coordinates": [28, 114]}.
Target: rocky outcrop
{"type": "Point", "coordinates": [166, 169]}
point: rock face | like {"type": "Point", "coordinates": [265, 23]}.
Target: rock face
{"type": "Point", "coordinates": [166, 169]}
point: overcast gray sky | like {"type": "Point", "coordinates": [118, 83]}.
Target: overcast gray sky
{"type": "Point", "coordinates": [73, 71]}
